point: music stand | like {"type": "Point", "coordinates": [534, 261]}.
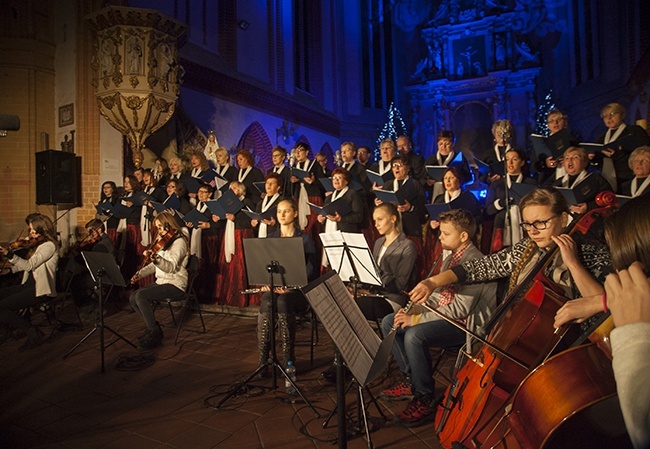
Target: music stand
{"type": "Point", "coordinates": [104, 270]}
{"type": "Point", "coordinates": [366, 355]}
{"type": "Point", "coordinates": [284, 261]}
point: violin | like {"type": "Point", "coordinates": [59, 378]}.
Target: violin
{"type": "Point", "coordinates": [473, 410]}
{"type": "Point", "coordinates": [26, 243]}
{"type": "Point", "coordinates": [86, 244]}
{"type": "Point", "coordinates": [162, 242]}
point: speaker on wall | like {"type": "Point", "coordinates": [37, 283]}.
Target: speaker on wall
{"type": "Point", "coordinates": [58, 178]}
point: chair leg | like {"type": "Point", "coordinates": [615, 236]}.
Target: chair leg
{"type": "Point", "coordinates": [191, 301]}
{"type": "Point", "coordinates": [171, 309]}
{"type": "Point", "coordinates": [314, 336]}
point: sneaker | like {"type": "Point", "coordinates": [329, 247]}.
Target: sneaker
{"type": "Point", "coordinates": [419, 411]}
{"type": "Point", "coordinates": [152, 338]}
{"type": "Point", "coordinates": [399, 392]}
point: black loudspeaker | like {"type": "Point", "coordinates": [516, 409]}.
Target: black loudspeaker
{"type": "Point", "coordinates": [58, 178]}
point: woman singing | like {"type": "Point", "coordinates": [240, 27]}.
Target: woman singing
{"type": "Point", "coordinates": [39, 280]}
{"type": "Point", "coordinates": [168, 264]}
{"type": "Point", "coordinates": [506, 229]}
{"type": "Point", "coordinates": [288, 301]}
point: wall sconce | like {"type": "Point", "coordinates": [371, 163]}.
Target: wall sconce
{"type": "Point", "coordinates": [243, 25]}
{"type": "Point", "coordinates": [286, 131]}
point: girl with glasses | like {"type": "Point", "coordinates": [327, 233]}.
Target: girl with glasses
{"type": "Point", "coordinates": [579, 269]}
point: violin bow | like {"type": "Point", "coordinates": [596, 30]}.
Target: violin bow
{"type": "Point", "coordinates": [475, 336]}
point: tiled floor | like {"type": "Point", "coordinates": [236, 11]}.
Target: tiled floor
{"type": "Point", "coordinates": [48, 402]}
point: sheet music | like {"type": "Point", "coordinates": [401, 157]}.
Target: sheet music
{"type": "Point", "coordinates": [345, 323]}
{"type": "Point", "coordinates": [333, 243]}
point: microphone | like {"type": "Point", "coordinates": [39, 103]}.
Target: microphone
{"type": "Point", "coordinates": [337, 158]}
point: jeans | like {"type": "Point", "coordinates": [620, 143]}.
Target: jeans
{"type": "Point", "coordinates": [411, 349]}
{"type": "Point", "coordinates": [141, 300]}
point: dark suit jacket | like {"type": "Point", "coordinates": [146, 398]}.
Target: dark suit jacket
{"type": "Point", "coordinates": [497, 192]}
{"type": "Point", "coordinates": [626, 188]}
{"type": "Point", "coordinates": [396, 268]}
{"type": "Point", "coordinates": [350, 222]}
{"type": "Point", "coordinates": [315, 189]}
{"type": "Point", "coordinates": [413, 219]}
{"type": "Point", "coordinates": [388, 176]}
{"type": "Point", "coordinates": [589, 187]}
{"type": "Point", "coordinates": [620, 157]}
{"type": "Point", "coordinates": [286, 180]}
{"type": "Point", "coordinates": [258, 209]}
{"type": "Point", "coordinates": [255, 175]}
{"type": "Point", "coordinates": [417, 166]}
{"type": "Point", "coordinates": [469, 198]}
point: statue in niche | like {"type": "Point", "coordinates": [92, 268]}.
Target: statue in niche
{"type": "Point", "coordinates": [106, 58]}
{"type": "Point", "coordinates": [430, 64]}
{"type": "Point", "coordinates": [211, 148]}
{"type": "Point", "coordinates": [166, 63]}
{"type": "Point", "coordinates": [500, 50]}
{"type": "Point", "coordinates": [68, 144]}
{"type": "Point", "coordinates": [478, 69]}
{"type": "Point", "coordinates": [134, 55]}
{"type": "Point", "coordinates": [469, 52]}
{"type": "Point", "coordinates": [460, 70]}
{"type": "Point", "coordinates": [526, 56]}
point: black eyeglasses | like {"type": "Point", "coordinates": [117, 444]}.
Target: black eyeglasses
{"type": "Point", "coordinates": [540, 225]}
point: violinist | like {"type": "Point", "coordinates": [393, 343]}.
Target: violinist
{"type": "Point", "coordinates": [419, 329]}
{"type": "Point", "coordinates": [83, 284]}
{"type": "Point", "coordinates": [168, 257]}
{"type": "Point", "coordinates": [39, 279]}
{"type": "Point", "coordinates": [628, 298]}
{"type": "Point", "coordinates": [579, 269]}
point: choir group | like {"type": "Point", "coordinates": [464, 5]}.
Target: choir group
{"type": "Point", "coordinates": [430, 232]}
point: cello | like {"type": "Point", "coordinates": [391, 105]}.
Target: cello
{"type": "Point", "coordinates": [570, 400]}
{"type": "Point", "coordinates": [522, 327]}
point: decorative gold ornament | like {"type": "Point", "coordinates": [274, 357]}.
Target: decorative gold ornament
{"type": "Point", "coordinates": [139, 46]}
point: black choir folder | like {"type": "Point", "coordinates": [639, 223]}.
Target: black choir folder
{"type": "Point", "coordinates": [364, 353]}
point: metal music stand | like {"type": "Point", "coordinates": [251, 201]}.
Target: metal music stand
{"type": "Point", "coordinates": [351, 255]}
{"type": "Point", "coordinates": [284, 261]}
{"type": "Point", "coordinates": [104, 270]}
{"type": "Point", "coordinates": [366, 355]}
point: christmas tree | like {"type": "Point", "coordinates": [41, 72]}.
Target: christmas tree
{"type": "Point", "coordinates": [393, 128]}
{"type": "Point", "coordinates": [543, 109]}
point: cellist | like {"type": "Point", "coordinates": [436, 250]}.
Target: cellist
{"type": "Point", "coordinates": [579, 269]}
{"type": "Point", "coordinates": [168, 263]}
{"type": "Point", "coordinates": [628, 298]}
{"type": "Point", "coordinates": [576, 269]}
